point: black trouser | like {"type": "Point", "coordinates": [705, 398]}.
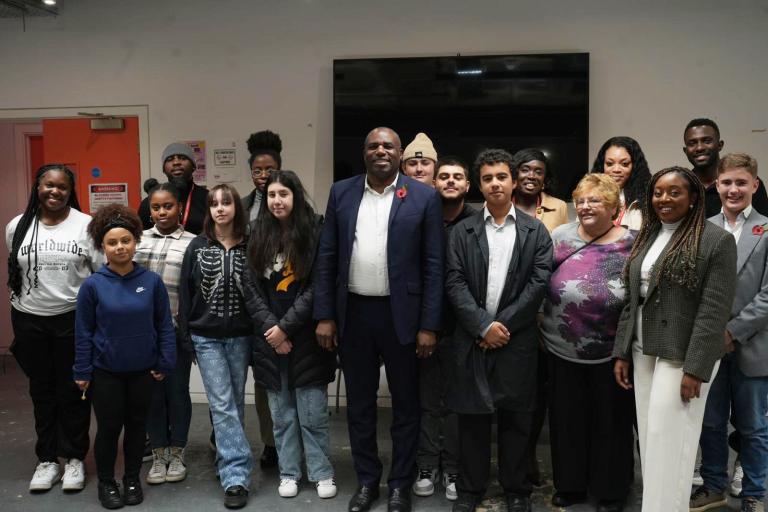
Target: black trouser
{"type": "Point", "coordinates": [514, 429]}
{"type": "Point", "coordinates": [120, 400]}
{"type": "Point", "coordinates": [590, 429]}
{"type": "Point", "coordinates": [44, 347]}
{"type": "Point", "coordinates": [438, 438]}
{"type": "Point", "coordinates": [539, 415]}
{"type": "Point", "coordinates": [368, 339]}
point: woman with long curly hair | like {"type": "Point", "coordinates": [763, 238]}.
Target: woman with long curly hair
{"type": "Point", "coordinates": [680, 279]}
{"type": "Point", "coordinates": [50, 257]}
{"type": "Point", "coordinates": [622, 159]}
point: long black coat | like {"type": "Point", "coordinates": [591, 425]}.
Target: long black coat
{"type": "Point", "coordinates": [309, 364]}
{"type": "Point", "coordinates": [480, 381]}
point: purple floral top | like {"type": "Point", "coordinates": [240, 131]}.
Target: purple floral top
{"type": "Point", "coordinates": [585, 296]}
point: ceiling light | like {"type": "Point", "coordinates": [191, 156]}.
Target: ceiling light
{"type": "Point", "coordinates": [49, 2]}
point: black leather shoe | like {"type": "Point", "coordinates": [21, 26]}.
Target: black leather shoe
{"type": "Point", "coordinates": [466, 503]}
{"type": "Point", "coordinates": [566, 499]}
{"type": "Point", "coordinates": [517, 503]}
{"type": "Point", "coordinates": [109, 494]}
{"type": "Point", "coordinates": [363, 498]}
{"type": "Point", "coordinates": [399, 500]}
{"type": "Point", "coordinates": [235, 496]}
{"type": "Point", "coordinates": [610, 506]}
{"type": "Point", "coordinates": [132, 493]}
{"type": "Point", "coordinates": [268, 457]}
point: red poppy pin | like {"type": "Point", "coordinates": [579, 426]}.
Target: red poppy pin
{"type": "Point", "coordinates": [402, 192]}
{"type": "Point", "coordinates": [759, 229]}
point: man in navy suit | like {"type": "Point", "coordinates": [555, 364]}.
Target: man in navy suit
{"type": "Point", "coordinates": [378, 292]}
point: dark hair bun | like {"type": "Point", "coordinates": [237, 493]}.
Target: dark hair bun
{"type": "Point", "coordinates": [150, 184]}
{"type": "Point", "coordinates": [264, 140]}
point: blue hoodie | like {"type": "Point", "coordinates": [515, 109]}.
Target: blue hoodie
{"type": "Point", "coordinates": [123, 324]}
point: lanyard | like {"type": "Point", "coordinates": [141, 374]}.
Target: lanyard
{"type": "Point", "coordinates": [618, 220]}
{"type": "Point", "coordinates": [186, 207]}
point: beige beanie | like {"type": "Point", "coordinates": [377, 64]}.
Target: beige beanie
{"type": "Point", "coordinates": [421, 147]}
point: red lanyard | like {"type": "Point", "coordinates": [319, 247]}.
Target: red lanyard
{"type": "Point", "coordinates": [186, 208]}
{"type": "Point", "coordinates": [617, 222]}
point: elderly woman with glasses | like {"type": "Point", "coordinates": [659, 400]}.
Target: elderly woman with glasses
{"type": "Point", "coordinates": [590, 416]}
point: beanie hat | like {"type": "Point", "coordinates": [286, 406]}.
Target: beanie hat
{"type": "Point", "coordinates": [179, 148]}
{"type": "Point", "coordinates": [420, 147]}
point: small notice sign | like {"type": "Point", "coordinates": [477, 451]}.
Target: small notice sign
{"type": "Point", "coordinates": [224, 157]}
{"type": "Point", "coordinates": [101, 194]}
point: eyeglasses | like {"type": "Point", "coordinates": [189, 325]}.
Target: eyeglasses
{"type": "Point", "coordinates": [258, 173]}
{"type": "Point", "coordinates": [592, 202]}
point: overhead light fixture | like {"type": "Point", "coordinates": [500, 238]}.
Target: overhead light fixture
{"type": "Point", "coordinates": [49, 2]}
{"type": "Point", "coordinates": [469, 71]}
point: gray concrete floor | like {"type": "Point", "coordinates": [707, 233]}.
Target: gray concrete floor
{"type": "Point", "coordinates": [201, 490]}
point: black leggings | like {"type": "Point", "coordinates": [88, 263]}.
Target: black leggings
{"type": "Point", "coordinates": [120, 400]}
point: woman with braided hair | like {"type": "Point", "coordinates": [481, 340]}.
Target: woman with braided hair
{"type": "Point", "coordinates": [50, 257]}
{"type": "Point", "coordinates": [680, 278]}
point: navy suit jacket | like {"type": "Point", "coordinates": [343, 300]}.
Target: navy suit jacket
{"type": "Point", "coordinates": [415, 256]}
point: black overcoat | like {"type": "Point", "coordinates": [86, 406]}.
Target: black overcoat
{"type": "Point", "coordinates": [480, 381]}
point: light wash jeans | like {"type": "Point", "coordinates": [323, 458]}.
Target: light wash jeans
{"type": "Point", "coordinates": [746, 398]}
{"type": "Point", "coordinates": [223, 366]}
{"type": "Point", "coordinates": [300, 416]}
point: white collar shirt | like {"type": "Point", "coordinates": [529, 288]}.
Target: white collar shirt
{"type": "Point", "coordinates": [368, 273]}
{"type": "Point", "coordinates": [501, 246]}
{"type": "Point", "coordinates": [738, 226]}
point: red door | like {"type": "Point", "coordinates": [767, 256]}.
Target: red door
{"type": "Point", "coordinates": [101, 157]}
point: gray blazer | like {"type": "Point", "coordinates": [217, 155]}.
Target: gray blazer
{"type": "Point", "coordinates": [680, 325]}
{"type": "Point", "coordinates": [749, 313]}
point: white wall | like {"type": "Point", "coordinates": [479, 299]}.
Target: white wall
{"type": "Point", "coordinates": [220, 70]}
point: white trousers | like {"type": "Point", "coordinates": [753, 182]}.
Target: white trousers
{"type": "Point", "coordinates": [669, 431]}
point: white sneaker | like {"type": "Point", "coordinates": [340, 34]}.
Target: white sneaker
{"type": "Point", "coordinates": [425, 483]}
{"type": "Point", "coordinates": [738, 476]}
{"type": "Point", "coordinates": [177, 471]}
{"type": "Point", "coordinates": [156, 474]}
{"type": "Point", "coordinates": [326, 488]}
{"type": "Point", "coordinates": [74, 476]}
{"type": "Point", "coordinates": [288, 488]}
{"type": "Point", "coordinates": [449, 482]}
{"type": "Point", "coordinates": [697, 480]}
{"type": "Point", "coordinates": [46, 474]}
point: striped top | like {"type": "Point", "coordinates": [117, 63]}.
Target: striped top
{"type": "Point", "coordinates": [163, 255]}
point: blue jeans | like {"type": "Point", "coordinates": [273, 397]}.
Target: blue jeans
{"type": "Point", "coordinates": [748, 397]}
{"type": "Point", "coordinates": [171, 409]}
{"type": "Point", "coordinates": [223, 367]}
{"type": "Point", "coordinates": [300, 416]}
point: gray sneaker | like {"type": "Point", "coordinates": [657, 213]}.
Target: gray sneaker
{"type": "Point", "coordinates": [177, 470]}
{"type": "Point", "coordinates": [156, 474]}
{"type": "Point", "coordinates": [705, 499]}
{"type": "Point", "coordinates": [425, 483]}
{"type": "Point", "coordinates": [752, 505]}
{"type": "Point", "coordinates": [449, 482]}
{"type": "Point", "coordinates": [738, 476]}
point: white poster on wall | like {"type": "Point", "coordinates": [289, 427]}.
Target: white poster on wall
{"type": "Point", "coordinates": [101, 194]}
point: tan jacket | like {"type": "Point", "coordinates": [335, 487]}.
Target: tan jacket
{"type": "Point", "coordinates": [553, 212]}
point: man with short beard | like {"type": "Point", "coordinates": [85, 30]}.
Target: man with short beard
{"type": "Point", "coordinates": [178, 166]}
{"type": "Point", "coordinates": [702, 148]}
{"type": "Point", "coordinates": [438, 438]}
{"type": "Point", "coordinates": [379, 277]}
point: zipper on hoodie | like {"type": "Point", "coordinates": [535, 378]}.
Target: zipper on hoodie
{"type": "Point", "coordinates": [227, 269]}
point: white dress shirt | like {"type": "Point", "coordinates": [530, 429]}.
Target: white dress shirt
{"type": "Point", "coordinates": [501, 245]}
{"type": "Point", "coordinates": [738, 226]}
{"type": "Point", "coordinates": [368, 273]}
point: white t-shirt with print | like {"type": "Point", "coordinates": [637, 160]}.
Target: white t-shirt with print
{"type": "Point", "coordinates": [65, 257]}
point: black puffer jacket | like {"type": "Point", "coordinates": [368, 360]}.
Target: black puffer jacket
{"type": "Point", "coordinates": [309, 364]}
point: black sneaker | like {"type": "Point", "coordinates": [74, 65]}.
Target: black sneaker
{"type": "Point", "coordinates": [109, 494]}
{"type": "Point", "coordinates": [235, 496]}
{"type": "Point", "coordinates": [132, 493]}
{"type": "Point", "coordinates": [268, 457]}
